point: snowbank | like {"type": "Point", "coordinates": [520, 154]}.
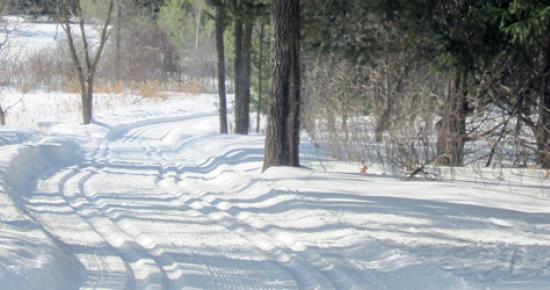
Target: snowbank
{"type": "Point", "coordinates": [29, 257]}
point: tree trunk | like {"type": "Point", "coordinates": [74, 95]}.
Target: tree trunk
{"type": "Point", "coordinates": [220, 28]}
{"type": "Point", "coordinates": [242, 103]}
{"type": "Point", "coordinates": [543, 125]}
{"type": "Point", "coordinates": [238, 41]}
{"type": "Point", "coordinates": [384, 121]}
{"type": "Point", "coordinates": [85, 67]}
{"type": "Point", "coordinates": [283, 125]}
{"type": "Point", "coordinates": [452, 129]}
{"type": "Point", "coordinates": [87, 97]}
{"type": "Point", "coordinates": [118, 42]}
{"type": "Point", "coordinates": [87, 109]}
{"type": "Point", "coordinates": [198, 15]}
{"type": "Point", "coordinates": [260, 80]}
{"type": "Point", "coordinates": [2, 117]}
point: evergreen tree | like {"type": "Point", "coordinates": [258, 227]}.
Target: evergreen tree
{"type": "Point", "coordinates": [283, 125]}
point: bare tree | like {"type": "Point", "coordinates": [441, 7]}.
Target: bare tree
{"type": "Point", "coordinates": [452, 127]}
{"type": "Point", "coordinates": [85, 64]}
{"type": "Point", "coordinates": [283, 125]}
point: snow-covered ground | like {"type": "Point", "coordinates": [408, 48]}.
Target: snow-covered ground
{"type": "Point", "coordinates": [27, 36]}
{"type": "Point", "coordinates": [151, 197]}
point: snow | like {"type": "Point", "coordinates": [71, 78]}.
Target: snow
{"type": "Point", "coordinates": [151, 197]}
{"type": "Point", "coordinates": [28, 36]}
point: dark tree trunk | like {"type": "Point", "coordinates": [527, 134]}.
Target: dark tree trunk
{"type": "Point", "coordinates": [452, 129]}
{"type": "Point", "coordinates": [238, 41]}
{"type": "Point", "coordinates": [220, 28]}
{"type": "Point", "coordinates": [86, 108]}
{"type": "Point", "coordinates": [242, 102]}
{"type": "Point", "coordinates": [543, 125]}
{"type": "Point", "coordinates": [88, 101]}
{"type": "Point", "coordinates": [2, 117]}
{"type": "Point", "coordinates": [260, 79]}
{"type": "Point", "coordinates": [283, 125]}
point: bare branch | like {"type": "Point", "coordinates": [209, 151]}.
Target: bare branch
{"type": "Point", "coordinates": [74, 54]}
{"type": "Point", "coordinates": [85, 44]}
{"type": "Point", "coordinates": [104, 35]}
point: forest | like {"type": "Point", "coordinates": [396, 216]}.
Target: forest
{"type": "Point", "coordinates": [404, 83]}
{"type": "Point", "coordinates": [274, 144]}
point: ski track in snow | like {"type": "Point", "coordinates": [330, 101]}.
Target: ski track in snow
{"type": "Point", "coordinates": [164, 202]}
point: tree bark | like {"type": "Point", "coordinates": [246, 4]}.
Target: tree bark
{"type": "Point", "coordinates": [118, 42]}
{"type": "Point", "coordinates": [452, 129]}
{"type": "Point", "coordinates": [2, 117]}
{"type": "Point", "coordinates": [242, 102]}
{"type": "Point", "coordinates": [237, 43]}
{"type": "Point", "coordinates": [260, 79]}
{"type": "Point", "coordinates": [543, 124]}
{"type": "Point", "coordinates": [283, 125]}
{"type": "Point", "coordinates": [198, 15]}
{"type": "Point", "coordinates": [220, 28]}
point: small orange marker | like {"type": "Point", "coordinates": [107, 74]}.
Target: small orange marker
{"type": "Point", "coordinates": [363, 168]}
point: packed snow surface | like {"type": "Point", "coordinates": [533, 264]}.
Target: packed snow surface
{"type": "Point", "coordinates": [151, 197]}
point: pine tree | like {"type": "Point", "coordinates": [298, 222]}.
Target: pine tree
{"type": "Point", "coordinates": [283, 124]}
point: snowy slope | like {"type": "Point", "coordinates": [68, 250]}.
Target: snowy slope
{"type": "Point", "coordinates": [28, 36]}
{"type": "Point", "coordinates": [151, 197]}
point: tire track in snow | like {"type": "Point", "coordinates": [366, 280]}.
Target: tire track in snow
{"type": "Point", "coordinates": [218, 274]}
{"type": "Point", "coordinates": [172, 269]}
{"type": "Point", "coordinates": [174, 273]}
{"type": "Point", "coordinates": [155, 153]}
{"type": "Point", "coordinates": [99, 270]}
{"type": "Point", "coordinates": [306, 273]}
{"type": "Point", "coordinates": [146, 273]}
{"type": "Point", "coordinates": [283, 242]}
{"type": "Point", "coordinates": [309, 272]}
{"type": "Point", "coordinates": [304, 277]}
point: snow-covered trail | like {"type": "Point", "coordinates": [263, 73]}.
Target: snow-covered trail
{"type": "Point", "coordinates": [156, 199]}
{"type": "Point", "coordinates": [135, 215]}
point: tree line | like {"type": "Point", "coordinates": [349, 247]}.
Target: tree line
{"type": "Point", "coordinates": [436, 82]}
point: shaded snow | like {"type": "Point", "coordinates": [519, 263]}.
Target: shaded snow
{"type": "Point", "coordinates": [151, 197]}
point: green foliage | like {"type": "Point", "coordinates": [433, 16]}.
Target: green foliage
{"type": "Point", "coordinates": [96, 9]}
{"type": "Point", "coordinates": [32, 7]}
{"type": "Point", "coordinates": [179, 18]}
{"type": "Point", "coordinates": [526, 21]}
{"type": "Point", "coordinates": [173, 19]}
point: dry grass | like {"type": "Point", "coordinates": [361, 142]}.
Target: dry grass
{"type": "Point", "coordinates": [154, 89]}
{"type": "Point", "coordinates": [112, 88]}
{"type": "Point", "coordinates": [24, 87]}
{"type": "Point", "coordinates": [151, 90]}
{"type": "Point", "coordinates": [71, 87]}
{"type": "Point", "coordinates": [189, 87]}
